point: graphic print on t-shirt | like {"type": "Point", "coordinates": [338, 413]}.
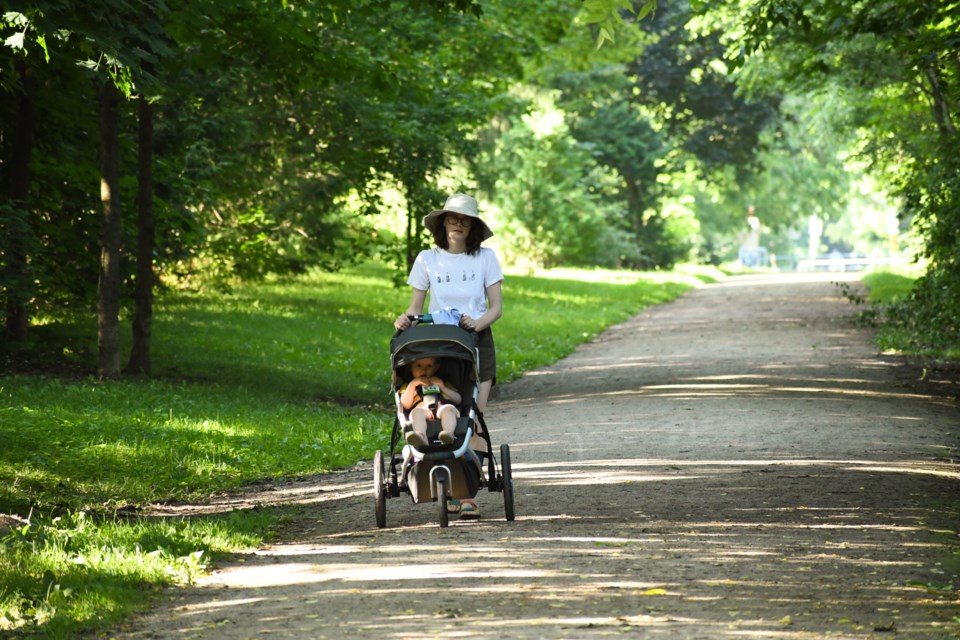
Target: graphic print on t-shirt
{"type": "Point", "coordinates": [446, 277]}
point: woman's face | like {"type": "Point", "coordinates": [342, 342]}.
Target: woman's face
{"type": "Point", "coordinates": [456, 225]}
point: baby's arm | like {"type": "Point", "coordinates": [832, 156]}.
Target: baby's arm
{"type": "Point", "coordinates": [409, 396]}
{"type": "Point", "coordinates": [449, 393]}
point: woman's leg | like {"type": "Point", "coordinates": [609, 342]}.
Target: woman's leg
{"type": "Point", "coordinates": [483, 394]}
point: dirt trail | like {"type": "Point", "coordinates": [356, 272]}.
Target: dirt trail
{"type": "Point", "coordinates": [740, 463]}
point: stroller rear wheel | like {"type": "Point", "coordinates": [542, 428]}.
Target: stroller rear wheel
{"type": "Point", "coordinates": [506, 481]}
{"type": "Point", "coordinates": [379, 489]}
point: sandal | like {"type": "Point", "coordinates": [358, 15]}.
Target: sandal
{"type": "Point", "coordinates": [453, 506]}
{"type": "Point", "coordinates": [469, 510]}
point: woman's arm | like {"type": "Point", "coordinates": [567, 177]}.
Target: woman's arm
{"type": "Point", "coordinates": [417, 298]}
{"type": "Point", "coordinates": [493, 313]}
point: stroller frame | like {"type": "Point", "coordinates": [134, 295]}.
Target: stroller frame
{"type": "Point", "coordinates": [439, 472]}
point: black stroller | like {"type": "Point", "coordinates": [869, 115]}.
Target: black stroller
{"type": "Point", "coordinates": [440, 472]}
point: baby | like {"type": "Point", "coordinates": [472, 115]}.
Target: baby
{"type": "Point", "coordinates": [429, 403]}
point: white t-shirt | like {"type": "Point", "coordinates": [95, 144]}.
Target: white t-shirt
{"type": "Point", "coordinates": [456, 280]}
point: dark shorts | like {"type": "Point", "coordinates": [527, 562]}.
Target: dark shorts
{"type": "Point", "coordinates": [488, 356]}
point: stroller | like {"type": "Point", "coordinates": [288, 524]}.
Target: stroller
{"type": "Point", "coordinates": [440, 472]}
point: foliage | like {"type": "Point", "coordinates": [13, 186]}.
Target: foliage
{"type": "Point", "coordinates": [279, 125]}
{"type": "Point", "coordinates": [606, 15]}
{"type": "Point", "coordinates": [925, 320]}
{"type": "Point", "coordinates": [242, 398]}
{"type": "Point", "coordinates": [268, 116]}
{"type": "Point", "coordinates": [894, 297]}
{"type": "Point", "coordinates": [672, 123]}
{"type": "Point", "coordinates": [895, 66]}
{"type": "Point", "coordinates": [681, 78]}
{"type": "Point", "coordinates": [622, 138]}
{"type": "Point", "coordinates": [556, 196]}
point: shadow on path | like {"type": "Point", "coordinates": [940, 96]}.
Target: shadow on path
{"type": "Point", "coordinates": [737, 464]}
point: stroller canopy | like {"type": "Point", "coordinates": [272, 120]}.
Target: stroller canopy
{"type": "Point", "coordinates": [436, 341]}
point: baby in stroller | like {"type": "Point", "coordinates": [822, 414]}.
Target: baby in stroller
{"type": "Point", "coordinates": [427, 397]}
{"type": "Point", "coordinates": [430, 466]}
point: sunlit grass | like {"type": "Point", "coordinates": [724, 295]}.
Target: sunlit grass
{"type": "Point", "coordinates": [270, 381]}
{"type": "Point", "coordinates": [886, 286]}
{"type": "Point", "coordinates": [137, 442]}
{"type": "Point", "coordinates": [74, 572]}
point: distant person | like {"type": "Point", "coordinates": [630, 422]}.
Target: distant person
{"type": "Point", "coordinates": [421, 408]}
{"type": "Point", "coordinates": [754, 223]}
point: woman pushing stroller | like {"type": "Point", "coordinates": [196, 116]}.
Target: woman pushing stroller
{"type": "Point", "coordinates": [460, 274]}
{"type": "Point", "coordinates": [462, 277]}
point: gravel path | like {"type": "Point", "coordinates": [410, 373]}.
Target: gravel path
{"type": "Point", "coordinates": [740, 463]}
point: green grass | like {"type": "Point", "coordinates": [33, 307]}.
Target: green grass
{"type": "Point", "coordinates": [886, 287]}
{"type": "Point", "coordinates": [905, 325]}
{"type": "Point", "coordinates": [274, 380]}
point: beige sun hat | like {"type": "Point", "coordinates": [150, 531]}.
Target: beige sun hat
{"type": "Point", "coordinates": [457, 203]}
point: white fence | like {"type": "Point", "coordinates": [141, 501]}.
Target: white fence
{"type": "Point", "coordinates": [846, 264]}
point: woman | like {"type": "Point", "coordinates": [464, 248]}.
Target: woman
{"type": "Point", "coordinates": [460, 275]}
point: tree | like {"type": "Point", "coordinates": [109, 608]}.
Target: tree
{"type": "Point", "coordinates": [680, 77]}
{"type": "Point", "coordinates": [108, 287]}
{"type": "Point", "coordinates": [14, 216]}
{"type": "Point", "coordinates": [117, 42]}
{"type": "Point", "coordinates": [140, 361]}
{"type": "Point", "coordinates": [267, 115]}
{"type": "Point", "coordinates": [895, 66]}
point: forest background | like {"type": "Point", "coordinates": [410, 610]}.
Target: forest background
{"type": "Point", "coordinates": [232, 140]}
{"type": "Point", "coordinates": [262, 168]}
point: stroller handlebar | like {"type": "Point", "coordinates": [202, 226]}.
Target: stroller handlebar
{"type": "Point", "coordinates": [426, 318]}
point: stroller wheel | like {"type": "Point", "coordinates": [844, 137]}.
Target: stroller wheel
{"type": "Point", "coordinates": [379, 489]}
{"type": "Point", "coordinates": [506, 482]}
{"type": "Point", "coordinates": [444, 515]}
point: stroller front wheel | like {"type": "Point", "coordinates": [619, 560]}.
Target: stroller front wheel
{"type": "Point", "coordinates": [506, 482]}
{"type": "Point", "coordinates": [444, 515]}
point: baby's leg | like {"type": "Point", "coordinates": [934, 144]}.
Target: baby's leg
{"type": "Point", "coordinates": [417, 436]}
{"type": "Point", "coordinates": [448, 415]}
{"type": "Point", "coordinates": [418, 420]}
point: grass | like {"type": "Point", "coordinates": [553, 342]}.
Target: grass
{"type": "Point", "coordinates": [275, 380]}
{"type": "Point", "coordinates": [886, 286]}
{"type": "Point", "coordinates": [901, 329]}
{"type": "Point", "coordinates": [885, 289]}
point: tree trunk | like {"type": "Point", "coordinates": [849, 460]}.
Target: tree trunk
{"type": "Point", "coordinates": [108, 287]}
{"type": "Point", "coordinates": [941, 106]}
{"type": "Point", "coordinates": [16, 278]}
{"type": "Point", "coordinates": [143, 313]}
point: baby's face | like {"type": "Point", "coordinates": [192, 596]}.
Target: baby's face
{"type": "Point", "coordinates": [424, 368]}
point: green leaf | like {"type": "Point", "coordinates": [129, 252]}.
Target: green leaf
{"type": "Point", "coordinates": [15, 18]}
{"type": "Point", "coordinates": [645, 10]}
{"type": "Point", "coordinates": [16, 40]}
{"type": "Point", "coordinates": [42, 41]}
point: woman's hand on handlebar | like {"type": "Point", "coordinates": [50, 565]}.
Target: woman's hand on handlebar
{"type": "Point", "coordinates": [403, 322]}
{"type": "Point", "coordinates": [470, 324]}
